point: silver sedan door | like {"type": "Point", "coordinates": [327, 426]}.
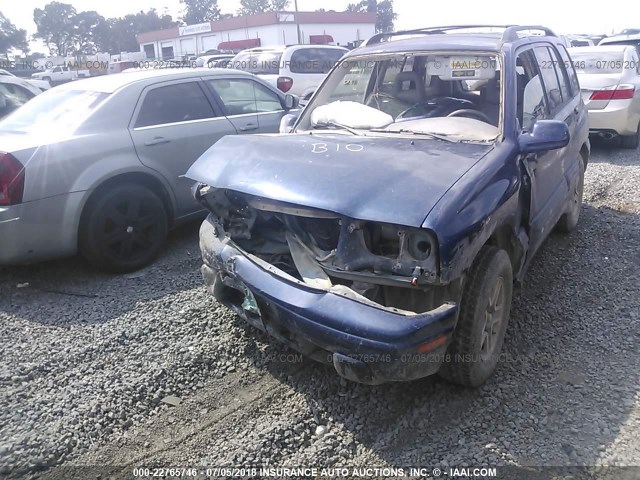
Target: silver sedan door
{"type": "Point", "coordinates": [174, 123]}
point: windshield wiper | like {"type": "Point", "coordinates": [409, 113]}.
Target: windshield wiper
{"type": "Point", "coordinates": [340, 126]}
{"type": "Point", "coordinates": [438, 136]}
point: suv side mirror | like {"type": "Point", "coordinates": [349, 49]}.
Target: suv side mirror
{"type": "Point", "coordinates": [545, 135]}
{"type": "Point", "coordinates": [291, 101]}
{"type": "Point", "coordinates": [288, 121]}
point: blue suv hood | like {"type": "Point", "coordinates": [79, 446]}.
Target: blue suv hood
{"type": "Point", "coordinates": [394, 180]}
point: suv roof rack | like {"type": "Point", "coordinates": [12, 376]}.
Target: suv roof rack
{"type": "Point", "coordinates": [510, 33]}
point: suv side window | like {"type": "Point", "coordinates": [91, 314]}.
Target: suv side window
{"type": "Point", "coordinates": [571, 71]}
{"type": "Point", "coordinates": [181, 102]}
{"type": "Point", "coordinates": [531, 102]}
{"type": "Point", "coordinates": [561, 72]}
{"type": "Point", "coordinates": [314, 60]}
{"type": "Point", "coordinates": [242, 96]}
{"type": "Point", "coordinates": [549, 78]}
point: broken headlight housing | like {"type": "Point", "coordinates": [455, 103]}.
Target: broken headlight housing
{"type": "Point", "coordinates": [398, 254]}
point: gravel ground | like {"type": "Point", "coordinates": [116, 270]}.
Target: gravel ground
{"type": "Point", "coordinates": [89, 358]}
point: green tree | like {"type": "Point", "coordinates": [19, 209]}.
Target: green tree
{"type": "Point", "coordinates": [121, 35]}
{"type": "Point", "coordinates": [91, 30]}
{"type": "Point", "coordinates": [11, 37]}
{"type": "Point", "coordinates": [252, 7]}
{"type": "Point", "coordinates": [56, 27]}
{"type": "Point", "coordinates": [200, 11]}
{"type": "Point", "coordinates": [385, 16]}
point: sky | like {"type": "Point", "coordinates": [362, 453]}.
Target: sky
{"type": "Point", "coordinates": [560, 15]}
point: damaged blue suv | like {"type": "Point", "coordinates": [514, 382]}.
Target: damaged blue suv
{"type": "Point", "coordinates": [384, 233]}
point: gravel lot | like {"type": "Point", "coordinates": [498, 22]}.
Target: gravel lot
{"type": "Point", "coordinates": [88, 358]}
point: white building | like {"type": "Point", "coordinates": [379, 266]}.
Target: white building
{"type": "Point", "coordinates": [262, 30]}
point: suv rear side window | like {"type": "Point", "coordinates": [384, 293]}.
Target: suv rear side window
{"type": "Point", "coordinates": [561, 72]}
{"type": "Point", "coordinates": [182, 102]}
{"type": "Point", "coordinates": [571, 71]}
{"type": "Point", "coordinates": [546, 65]}
{"type": "Point", "coordinates": [315, 60]}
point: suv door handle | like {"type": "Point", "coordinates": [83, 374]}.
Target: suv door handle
{"type": "Point", "coordinates": [157, 141]}
{"type": "Point", "coordinates": [249, 127]}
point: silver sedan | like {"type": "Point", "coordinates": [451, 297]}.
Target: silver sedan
{"type": "Point", "coordinates": [97, 165]}
{"type": "Point", "coordinates": [609, 78]}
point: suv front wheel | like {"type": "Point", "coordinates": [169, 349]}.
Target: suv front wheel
{"type": "Point", "coordinates": [482, 321]}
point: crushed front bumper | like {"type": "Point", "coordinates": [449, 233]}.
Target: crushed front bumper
{"type": "Point", "coordinates": [365, 342]}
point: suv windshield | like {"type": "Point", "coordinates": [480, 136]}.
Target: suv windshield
{"type": "Point", "coordinates": [445, 95]}
{"type": "Point", "coordinates": [59, 109]}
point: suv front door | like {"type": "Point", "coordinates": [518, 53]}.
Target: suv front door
{"type": "Point", "coordinates": [546, 96]}
{"type": "Point", "coordinates": [173, 124]}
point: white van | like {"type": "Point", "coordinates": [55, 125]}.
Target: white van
{"type": "Point", "coordinates": [297, 69]}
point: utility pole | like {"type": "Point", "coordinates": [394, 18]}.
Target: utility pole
{"type": "Point", "coordinates": [295, 6]}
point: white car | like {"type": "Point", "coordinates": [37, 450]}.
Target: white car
{"type": "Point", "coordinates": [632, 40]}
{"type": "Point", "coordinates": [298, 69]}
{"type": "Point", "coordinates": [219, 60]}
{"type": "Point", "coordinates": [41, 84]}
{"type": "Point", "coordinates": [15, 92]}
{"type": "Point", "coordinates": [609, 79]}
{"type": "Point", "coordinates": [60, 74]}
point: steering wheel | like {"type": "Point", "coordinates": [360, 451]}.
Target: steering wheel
{"type": "Point", "coordinates": [470, 113]}
{"type": "Point", "coordinates": [404, 112]}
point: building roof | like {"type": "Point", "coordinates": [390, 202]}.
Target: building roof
{"type": "Point", "coordinates": [262, 19]}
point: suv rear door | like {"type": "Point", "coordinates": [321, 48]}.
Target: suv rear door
{"type": "Point", "coordinates": [173, 124]}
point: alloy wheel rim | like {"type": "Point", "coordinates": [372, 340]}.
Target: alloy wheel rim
{"type": "Point", "coordinates": [577, 197]}
{"type": "Point", "coordinates": [130, 228]}
{"type": "Point", "coordinates": [493, 317]}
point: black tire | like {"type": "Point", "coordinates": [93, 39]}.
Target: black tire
{"type": "Point", "coordinates": [123, 228]}
{"type": "Point", "coordinates": [486, 303]}
{"type": "Point", "coordinates": [569, 219]}
{"type": "Point", "coordinates": [47, 79]}
{"type": "Point", "coordinates": [631, 141]}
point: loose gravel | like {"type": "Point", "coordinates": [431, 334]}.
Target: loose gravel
{"type": "Point", "coordinates": [90, 359]}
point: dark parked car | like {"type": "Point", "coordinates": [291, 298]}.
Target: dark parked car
{"type": "Point", "coordinates": [385, 235]}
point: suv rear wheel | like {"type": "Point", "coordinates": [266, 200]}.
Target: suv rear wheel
{"type": "Point", "coordinates": [569, 220]}
{"type": "Point", "coordinates": [124, 228]}
{"type": "Point", "coordinates": [482, 322]}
